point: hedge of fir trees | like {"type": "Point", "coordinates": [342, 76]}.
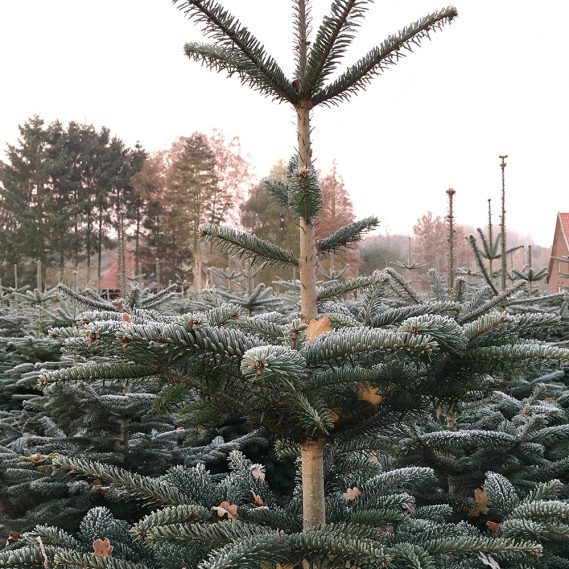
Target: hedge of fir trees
{"type": "Point", "coordinates": [428, 430]}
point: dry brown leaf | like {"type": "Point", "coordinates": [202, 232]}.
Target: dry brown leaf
{"type": "Point", "coordinates": [351, 494]}
{"type": "Point", "coordinates": [368, 393]}
{"type": "Point", "coordinates": [98, 488]}
{"type": "Point", "coordinates": [494, 527]}
{"type": "Point", "coordinates": [317, 328]}
{"type": "Point", "coordinates": [258, 474]}
{"type": "Point", "coordinates": [258, 500]}
{"type": "Point", "coordinates": [102, 548]}
{"type": "Point", "coordinates": [409, 508]}
{"type": "Point", "coordinates": [126, 317]}
{"type": "Point", "coordinates": [43, 552]}
{"type": "Point", "coordinates": [12, 537]}
{"type": "Point", "coordinates": [481, 503]}
{"type": "Point", "coordinates": [225, 508]}
{"type": "Point", "coordinates": [285, 566]}
{"type": "Point", "coordinates": [550, 399]}
{"type": "Point", "coordinates": [374, 458]}
{"type": "Point", "coordinates": [336, 414]}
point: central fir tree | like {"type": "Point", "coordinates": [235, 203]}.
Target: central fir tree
{"type": "Point", "coordinates": [332, 382]}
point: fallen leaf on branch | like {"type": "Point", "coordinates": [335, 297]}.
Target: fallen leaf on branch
{"type": "Point", "coordinates": [258, 474]}
{"type": "Point", "coordinates": [351, 494]}
{"type": "Point", "coordinates": [317, 328]}
{"type": "Point", "coordinates": [12, 537]}
{"type": "Point", "coordinates": [494, 527]}
{"type": "Point", "coordinates": [258, 500]}
{"type": "Point", "coordinates": [481, 506]}
{"type": "Point", "coordinates": [225, 508]}
{"type": "Point", "coordinates": [102, 548]}
{"type": "Point", "coordinates": [368, 393]}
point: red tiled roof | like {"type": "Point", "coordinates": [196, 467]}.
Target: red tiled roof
{"type": "Point", "coordinates": [110, 278]}
{"type": "Point", "coordinates": [564, 222]}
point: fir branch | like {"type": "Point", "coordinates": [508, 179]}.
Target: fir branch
{"type": "Point", "coordinates": [402, 286]}
{"type": "Point", "coordinates": [249, 552]}
{"type": "Point", "coordinates": [334, 36]}
{"type": "Point", "coordinates": [444, 330]}
{"type": "Point", "coordinates": [380, 58]}
{"type": "Point", "coordinates": [246, 246]}
{"type": "Point", "coordinates": [313, 417]}
{"type": "Point", "coordinates": [501, 493]}
{"type": "Point", "coordinates": [97, 304]}
{"type": "Point", "coordinates": [232, 62]}
{"type": "Point", "coordinates": [474, 544]}
{"type": "Point", "coordinates": [159, 297]}
{"type": "Point", "coordinates": [90, 372]}
{"type": "Point", "coordinates": [152, 489]}
{"type": "Point", "coordinates": [518, 353]}
{"type": "Point", "coordinates": [495, 300]}
{"type": "Point", "coordinates": [482, 326]}
{"type": "Point", "coordinates": [349, 234]}
{"type": "Point", "coordinates": [273, 363]}
{"type": "Point", "coordinates": [278, 190]}
{"type": "Point", "coordinates": [490, 249]}
{"type": "Point", "coordinates": [341, 344]}
{"type": "Point", "coordinates": [302, 21]}
{"type": "Point", "coordinates": [214, 535]}
{"type": "Point", "coordinates": [304, 193]}
{"type": "Point", "coordinates": [56, 536]}
{"type": "Point", "coordinates": [26, 557]}
{"type": "Point", "coordinates": [90, 561]}
{"type": "Point", "coordinates": [227, 33]}
{"type": "Point", "coordinates": [480, 262]}
{"type": "Point", "coordinates": [180, 514]}
{"type": "Point", "coordinates": [335, 290]}
{"type": "Point", "coordinates": [395, 315]}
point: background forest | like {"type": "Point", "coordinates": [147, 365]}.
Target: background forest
{"type": "Point", "coordinates": [67, 194]}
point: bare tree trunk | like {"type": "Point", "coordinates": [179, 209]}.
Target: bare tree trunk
{"type": "Point", "coordinates": [100, 250]}
{"type": "Point", "coordinates": [197, 266]}
{"type": "Point", "coordinates": [312, 457]}
{"type": "Point", "coordinates": [308, 260]}
{"type": "Point", "coordinates": [312, 452]}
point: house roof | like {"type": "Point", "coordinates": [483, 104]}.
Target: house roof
{"type": "Point", "coordinates": [110, 278]}
{"type": "Point", "coordinates": [563, 224]}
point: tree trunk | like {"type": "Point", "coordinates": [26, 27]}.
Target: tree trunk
{"type": "Point", "coordinates": [137, 244]}
{"type": "Point", "coordinates": [312, 452]}
{"type": "Point", "coordinates": [100, 250]}
{"type": "Point", "coordinates": [308, 260]}
{"type": "Point", "coordinates": [313, 507]}
{"type": "Point", "coordinates": [88, 243]}
{"type": "Point", "coordinates": [197, 267]}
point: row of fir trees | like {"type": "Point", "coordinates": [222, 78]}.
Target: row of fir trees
{"type": "Point", "coordinates": [337, 424]}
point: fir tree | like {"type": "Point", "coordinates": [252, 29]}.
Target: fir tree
{"type": "Point", "coordinates": [331, 379]}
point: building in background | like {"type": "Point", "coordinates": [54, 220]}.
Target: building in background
{"type": "Point", "coordinates": [558, 277]}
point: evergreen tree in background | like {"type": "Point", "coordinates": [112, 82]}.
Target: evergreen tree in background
{"type": "Point", "coordinates": [59, 188]}
{"type": "Point", "coordinates": [261, 216]}
{"type": "Point", "coordinates": [337, 211]}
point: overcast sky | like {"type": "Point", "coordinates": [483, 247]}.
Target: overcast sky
{"type": "Point", "coordinates": [493, 82]}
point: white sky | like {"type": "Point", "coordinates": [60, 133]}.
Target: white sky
{"type": "Point", "coordinates": [494, 82]}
